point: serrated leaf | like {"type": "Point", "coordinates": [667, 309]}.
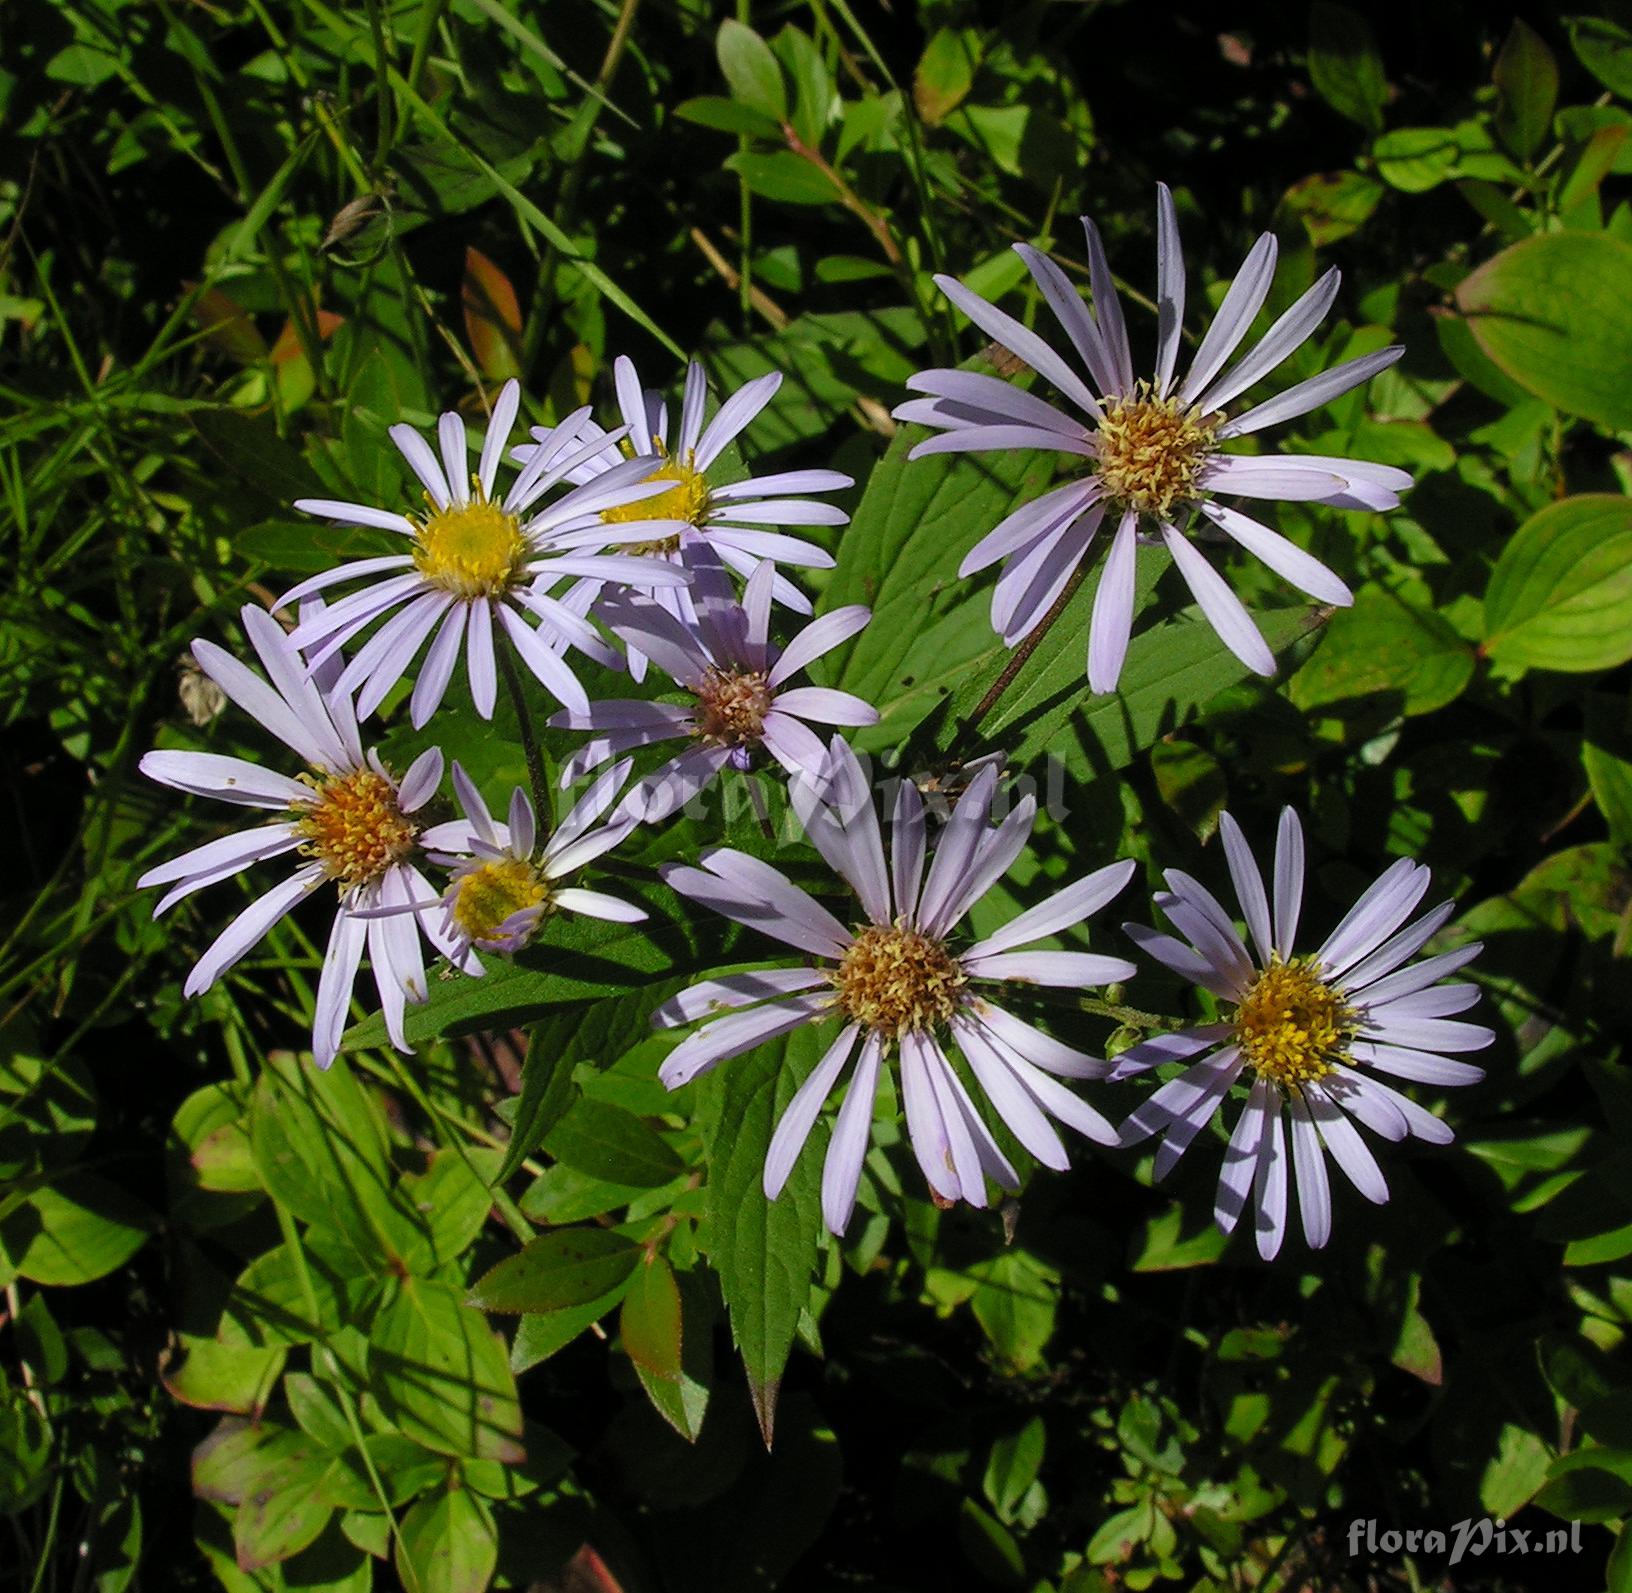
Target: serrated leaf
{"type": "Point", "coordinates": [557, 1270]}
{"type": "Point", "coordinates": [1562, 589]}
{"type": "Point", "coordinates": [1554, 312]}
{"type": "Point", "coordinates": [442, 1375]}
{"type": "Point", "coordinates": [763, 1251]}
{"type": "Point", "coordinates": [650, 1319]}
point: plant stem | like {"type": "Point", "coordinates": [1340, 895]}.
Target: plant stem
{"type": "Point", "coordinates": [539, 773]}
{"type": "Point", "coordinates": [1024, 651]}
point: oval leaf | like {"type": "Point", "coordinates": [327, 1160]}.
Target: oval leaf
{"type": "Point", "coordinates": [571, 1266]}
{"type": "Point", "coordinates": [1555, 313]}
{"type": "Point", "coordinates": [1561, 591]}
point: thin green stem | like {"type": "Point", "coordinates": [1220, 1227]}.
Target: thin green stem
{"type": "Point", "coordinates": [540, 775]}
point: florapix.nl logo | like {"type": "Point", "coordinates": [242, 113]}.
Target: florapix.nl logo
{"type": "Point", "coordinates": [1473, 1537]}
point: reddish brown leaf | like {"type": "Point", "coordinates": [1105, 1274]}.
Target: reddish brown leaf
{"type": "Point", "coordinates": [227, 326]}
{"type": "Point", "coordinates": [492, 317]}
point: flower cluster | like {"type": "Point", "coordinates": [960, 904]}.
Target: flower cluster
{"type": "Point", "coordinates": [626, 547]}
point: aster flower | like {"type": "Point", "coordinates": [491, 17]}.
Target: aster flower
{"type": "Point", "coordinates": [724, 518]}
{"type": "Point", "coordinates": [475, 561]}
{"type": "Point", "coordinates": [350, 819]}
{"type": "Point", "coordinates": [1312, 1030]}
{"type": "Point", "coordinates": [1150, 452]}
{"type": "Point", "coordinates": [739, 683]}
{"type": "Point", "coordinates": [503, 883]}
{"type": "Point", "coordinates": [896, 983]}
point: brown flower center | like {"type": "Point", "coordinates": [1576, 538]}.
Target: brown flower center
{"type": "Point", "coordinates": [731, 706]}
{"type": "Point", "coordinates": [894, 979]}
{"type": "Point", "coordinates": [355, 827]}
{"type": "Point", "coordinates": [1151, 451]}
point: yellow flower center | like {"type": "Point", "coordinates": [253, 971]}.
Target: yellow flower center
{"type": "Point", "coordinates": [493, 892]}
{"type": "Point", "coordinates": [355, 828]}
{"type": "Point", "coordinates": [686, 500]}
{"type": "Point", "coordinates": [1151, 450]}
{"type": "Point", "coordinates": [731, 707]}
{"type": "Point", "coordinates": [893, 979]}
{"type": "Point", "coordinates": [474, 551]}
{"type": "Point", "coordinates": [1292, 1027]}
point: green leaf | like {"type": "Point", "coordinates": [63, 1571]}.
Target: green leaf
{"type": "Point", "coordinates": [452, 1199]}
{"type": "Point", "coordinates": [79, 1228]}
{"type": "Point", "coordinates": [783, 175]}
{"type": "Point", "coordinates": [1554, 312]}
{"type": "Point", "coordinates": [268, 1303]}
{"type": "Point", "coordinates": [1604, 48]}
{"type": "Point", "coordinates": [213, 1376]}
{"type": "Point", "coordinates": [1345, 65]}
{"type": "Point", "coordinates": [212, 1128]}
{"type": "Point", "coordinates": [1598, 1388]}
{"type": "Point", "coordinates": [751, 70]}
{"type": "Point", "coordinates": [1560, 593]}
{"type": "Point", "coordinates": [448, 1543]}
{"type": "Point", "coordinates": [1383, 657]}
{"type": "Point", "coordinates": [1589, 1485]}
{"type": "Point", "coordinates": [442, 1375]}
{"type": "Point", "coordinates": [568, 1267]}
{"type": "Point", "coordinates": [675, 1366]}
{"type": "Point", "coordinates": [576, 960]}
{"type": "Point", "coordinates": [1415, 159]}
{"type": "Point", "coordinates": [812, 85]}
{"type": "Point", "coordinates": [320, 1147]}
{"type": "Point", "coordinates": [1526, 77]}
{"type": "Point", "coordinates": [1015, 1304]}
{"type": "Point", "coordinates": [728, 116]}
{"type": "Point", "coordinates": [763, 1251]}
{"type": "Point", "coordinates": [284, 1511]}
{"type": "Point", "coordinates": [251, 450]}
{"type": "Point", "coordinates": [607, 1142]}
{"type": "Point", "coordinates": [945, 72]}
{"type": "Point", "coordinates": [47, 1108]}
{"type": "Point", "coordinates": [540, 1335]}
{"type": "Point", "coordinates": [1607, 755]}
{"type": "Point", "coordinates": [1012, 1467]}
